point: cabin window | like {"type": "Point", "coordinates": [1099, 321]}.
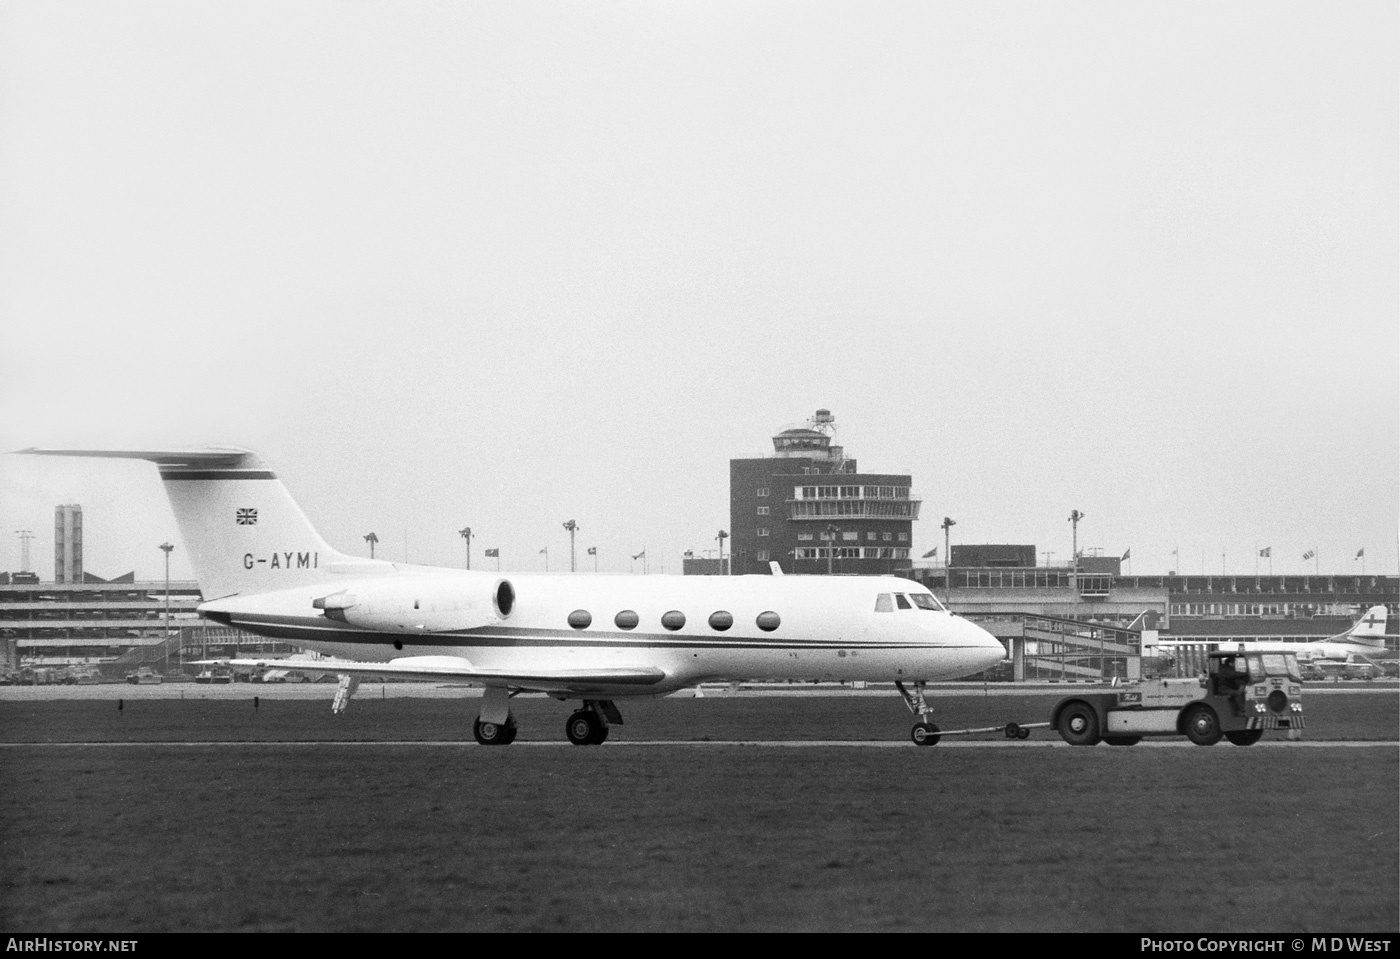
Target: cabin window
{"type": "Point", "coordinates": [673, 619]}
{"type": "Point", "coordinates": [768, 621]}
{"type": "Point", "coordinates": [580, 619]}
{"type": "Point", "coordinates": [721, 620]}
{"type": "Point", "coordinates": [627, 619]}
{"type": "Point", "coordinates": [901, 601]}
{"type": "Point", "coordinates": [505, 598]}
{"type": "Point", "coordinates": [884, 603]}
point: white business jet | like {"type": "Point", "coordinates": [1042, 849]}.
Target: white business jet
{"type": "Point", "coordinates": [262, 568]}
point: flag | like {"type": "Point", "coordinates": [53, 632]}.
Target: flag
{"type": "Point", "coordinates": [493, 552]}
{"type": "Point", "coordinates": [545, 550]}
{"type": "Point", "coordinates": [1127, 555]}
{"type": "Point", "coordinates": [640, 555]}
{"type": "Point", "coordinates": [1310, 554]}
{"type": "Point", "coordinates": [1361, 552]}
{"type": "Point", "coordinates": [931, 553]}
{"type": "Point", "coordinates": [592, 551]}
{"type": "Point", "coordinates": [1267, 551]}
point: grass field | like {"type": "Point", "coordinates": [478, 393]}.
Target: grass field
{"type": "Point", "coordinates": [717, 837]}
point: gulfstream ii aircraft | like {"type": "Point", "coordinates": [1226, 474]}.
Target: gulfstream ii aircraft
{"type": "Point", "coordinates": [262, 568]}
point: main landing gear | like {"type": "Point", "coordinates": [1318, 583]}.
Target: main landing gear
{"type": "Point", "coordinates": [495, 726]}
{"type": "Point", "coordinates": [589, 726]}
{"type": "Point", "coordinates": [495, 734]}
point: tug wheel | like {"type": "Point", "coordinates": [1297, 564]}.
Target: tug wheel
{"type": "Point", "coordinates": [1079, 725]}
{"type": "Point", "coordinates": [1245, 737]}
{"type": "Point", "coordinates": [1201, 725]}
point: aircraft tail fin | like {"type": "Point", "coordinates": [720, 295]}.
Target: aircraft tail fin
{"type": "Point", "coordinates": [244, 532]}
{"type": "Point", "coordinates": [1370, 629]}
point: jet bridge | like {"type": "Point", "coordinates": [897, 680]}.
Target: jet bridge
{"type": "Point", "coordinates": [1059, 648]}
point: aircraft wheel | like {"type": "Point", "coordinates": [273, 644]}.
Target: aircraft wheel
{"type": "Point", "coordinates": [584, 728]}
{"type": "Point", "coordinates": [1245, 737]}
{"type": "Point", "coordinates": [1122, 740]}
{"type": "Point", "coordinates": [1202, 725]}
{"type": "Point", "coordinates": [1079, 725]}
{"type": "Point", "coordinates": [494, 734]}
{"type": "Point", "coordinates": [924, 734]}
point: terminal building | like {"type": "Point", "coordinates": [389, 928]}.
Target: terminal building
{"type": "Point", "coordinates": [117, 624]}
{"type": "Point", "coordinates": [120, 623]}
{"type": "Point", "coordinates": [810, 509]}
{"type": "Point", "coordinates": [1088, 621]}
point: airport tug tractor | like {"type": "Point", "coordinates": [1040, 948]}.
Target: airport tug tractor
{"type": "Point", "coordinates": [1240, 696]}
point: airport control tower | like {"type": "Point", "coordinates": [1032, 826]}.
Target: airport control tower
{"type": "Point", "coordinates": [810, 509]}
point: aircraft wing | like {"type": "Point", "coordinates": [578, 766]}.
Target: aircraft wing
{"type": "Point", "coordinates": [455, 667]}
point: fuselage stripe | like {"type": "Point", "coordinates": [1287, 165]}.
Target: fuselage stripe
{"type": "Point", "coordinates": [171, 474]}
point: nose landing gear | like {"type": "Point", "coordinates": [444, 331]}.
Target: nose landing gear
{"type": "Point", "coordinates": [925, 732]}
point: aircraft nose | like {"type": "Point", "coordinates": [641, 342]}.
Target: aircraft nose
{"type": "Point", "coordinates": [989, 649]}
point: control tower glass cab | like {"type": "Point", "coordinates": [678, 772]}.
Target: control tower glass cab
{"type": "Point", "coordinates": [811, 440]}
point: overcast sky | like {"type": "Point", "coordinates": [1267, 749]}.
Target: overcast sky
{"type": "Point", "coordinates": [502, 265]}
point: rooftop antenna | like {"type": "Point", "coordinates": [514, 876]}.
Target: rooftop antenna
{"type": "Point", "coordinates": [823, 422]}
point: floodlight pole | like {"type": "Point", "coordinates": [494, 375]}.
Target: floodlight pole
{"type": "Point", "coordinates": [166, 548]}
{"type": "Point", "coordinates": [948, 524]}
{"type": "Point", "coordinates": [572, 527]}
{"type": "Point", "coordinates": [1074, 517]}
{"type": "Point", "coordinates": [466, 533]}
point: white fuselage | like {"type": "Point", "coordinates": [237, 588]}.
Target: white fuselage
{"type": "Point", "coordinates": [1306, 651]}
{"type": "Point", "coordinates": [733, 628]}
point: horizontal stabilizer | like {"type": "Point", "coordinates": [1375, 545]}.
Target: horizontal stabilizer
{"type": "Point", "coordinates": [205, 456]}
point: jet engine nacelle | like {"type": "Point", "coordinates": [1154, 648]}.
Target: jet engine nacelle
{"type": "Point", "coordinates": [423, 606]}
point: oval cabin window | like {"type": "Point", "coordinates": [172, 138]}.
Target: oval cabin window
{"type": "Point", "coordinates": [627, 619]}
{"type": "Point", "coordinates": [505, 598]}
{"type": "Point", "coordinates": [675, 619]}
{"type": "Point", "coordinates": [580, 619]}
{"type": "Point", "coordinates": [721, 620]}
{"type": "Point", "coordinates": [769, 621]}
